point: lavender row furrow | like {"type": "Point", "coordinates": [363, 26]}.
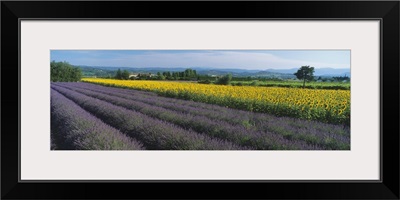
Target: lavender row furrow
{"type": "Point", "coordinates": [75, 129]}
{"type": "Point", "coordinates": [153, 133]}
{"type": "Point", "coordinates": [291, 129]}
{"type": "Point", "coordinates": [217, 129]}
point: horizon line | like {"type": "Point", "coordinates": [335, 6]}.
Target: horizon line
{"type": "Point", "coordinates": [215, 68]}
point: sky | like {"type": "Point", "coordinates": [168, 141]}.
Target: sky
{"type": "Point", "coordinates": [218, 59]}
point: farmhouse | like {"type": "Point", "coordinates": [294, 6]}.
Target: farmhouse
{"type": "Point", "coordinates": [133, 75]}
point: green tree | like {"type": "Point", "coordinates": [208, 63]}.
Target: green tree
{"type": "Point", "coordinates": [64, 72]}
{"type": "Point", "coordinates": [125, 75]}
{"type": "Point", "coordinates": [190, 73]}
{"type": "Point", "coordinates": [76, 74]}
{"type": "Point", "coordinates": [305, 73]}
{"type": "Point", "coordinates": [175, 75]}
{"type": "Point", "coordinates": [225, 80]}
{"type": "Point", "coordinates": [119, 74]}
{"type": "Point", "coordinates": [161, 76]}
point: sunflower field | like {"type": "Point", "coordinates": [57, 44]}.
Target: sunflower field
{"type": "Point", "coordinates": [330, 106]}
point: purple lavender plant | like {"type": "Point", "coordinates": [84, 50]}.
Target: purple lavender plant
{"type": "Point", "coordinates": [153, 133]}
{"type": "Point", "coordinates": [73, 128]}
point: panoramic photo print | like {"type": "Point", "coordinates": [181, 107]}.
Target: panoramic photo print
{"type": "Point", "coordinates": [200, 99]}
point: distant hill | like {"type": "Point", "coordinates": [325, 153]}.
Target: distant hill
{"type": "Point", "coordinates": [279, 73]}
{"type": "Point", "coordinates": [97, 71]}
{"type": "Point", "coordinates": [318, 71]}
{"type": "Point", "coordinates": [111, 71]}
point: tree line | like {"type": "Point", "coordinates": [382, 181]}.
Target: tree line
{"type": "Point", "coordinates": [188, 74]}
{"type": "Point", "coordinates": [64, 72]}
{"type": "Point", "coordinates": [122, 75]}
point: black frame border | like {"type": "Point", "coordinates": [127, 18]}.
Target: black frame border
{"type": "Point", "coordinates": [204, 181]}
{"type": "Point", "coordinates": [386, 11]}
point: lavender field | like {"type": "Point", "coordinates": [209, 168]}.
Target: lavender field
{"type": "Point", "coordinates": [86, 116]}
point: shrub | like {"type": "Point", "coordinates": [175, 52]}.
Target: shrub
{"type": "Point", "coordinates": [225, 80]}
{"type": "Point", "coordinates": [205, 82]}
{"type": "Point", "coordinates": [254, 83]}
{"type": "Point", "coordinates": [239, 84]}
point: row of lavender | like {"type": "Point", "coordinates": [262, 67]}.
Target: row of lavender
{"type": "Point", "coordinates": [152, 133]}
{"type": "Point", "coordinates": [252, 130]}
{"type": "Point", "coordinates": [72, 128]}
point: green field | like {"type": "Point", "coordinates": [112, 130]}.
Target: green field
{"type": "Point", "coordinates": [295, 84]}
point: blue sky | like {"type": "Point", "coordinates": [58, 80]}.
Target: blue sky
{"type": "Point", "coordinates": [219, 59]}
